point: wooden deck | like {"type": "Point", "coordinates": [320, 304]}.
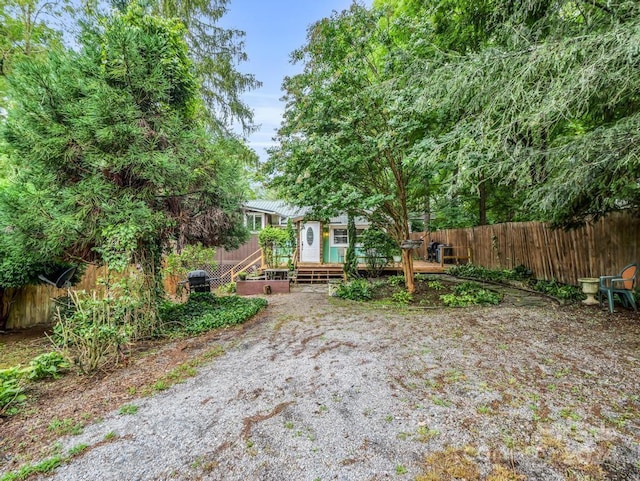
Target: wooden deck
{"type": "Point", "coordinates": [324, 272]}
{"type": "Point", "coordinates": [424, 267]}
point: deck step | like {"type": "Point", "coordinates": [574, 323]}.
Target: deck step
{"type": "Point", "coordinates": [318, 275]}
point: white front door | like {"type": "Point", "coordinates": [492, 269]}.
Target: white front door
{"type": "Point", "coordinates": [310, 240]}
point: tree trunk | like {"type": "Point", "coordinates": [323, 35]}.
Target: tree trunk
{"type": "Point", "coordinates": [426, 215]}
{"type": "Point", "coordinates": [407, 269]}
{"type": "Point", "coordinates": [7, 296]}
{"type": "Point", "coordinates": [4, 310]}
{"type": "Point", "coordinates": [482, 203]}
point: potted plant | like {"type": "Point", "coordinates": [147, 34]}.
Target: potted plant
{"type": "Point", "coordinates": [242, 276]}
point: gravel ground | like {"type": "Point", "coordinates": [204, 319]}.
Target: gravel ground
{"type": "Point", "coordinates": [322, 389]}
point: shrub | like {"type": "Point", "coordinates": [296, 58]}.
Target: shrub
{"type": "Point", "coordinates": [191, 258]}
{"type": "Point", "coordinates": [94, 331]}
{"type": "Point", "coordinates": [468, 294]}
{"type": "Point", "coordinates": [11, 390]}
{"type": "Point", "coordinates": [483, 274]}
{"type": "Point", "coordinates": [357, 290]}
{"type": "Point", "coordinates": [402, 297]}
{"type": "Point", "coordinates": [228, 288]}
{"type": "Point", "coordinates": [379, 248]}
{"type": "Point", "coordinates": [50, 364]}
{"type": "Point", "coordinates": [270, 240]}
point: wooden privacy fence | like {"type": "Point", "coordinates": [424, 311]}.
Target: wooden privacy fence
{"type": "Point", "coordinates": [33, 305]}
{"type": "Point", "coordinates": [600, 248]}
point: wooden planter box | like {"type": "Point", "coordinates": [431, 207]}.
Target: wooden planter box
{"type": "Point", "coordinates": [251, 287]}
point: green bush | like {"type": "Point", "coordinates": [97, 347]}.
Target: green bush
{"type": "Point", "coordinates": [435, 285]}
{"type": "Point", "coordinates": [396, 281]}
{"type": "Point", "coordinates": [11, 389]}
{"type": "Point", "coordinates": [228, 288]}
{"type": "Point", "coordinates": [50, 364]}
{"type": "Point", "coordinates": [357, 290]}
{"type": "Point", "coordinates": [402, 297]}
{"type": "Point", "coordinates": [273, 240]}
{"type": "Point", "coordinates": [205, 311]}
{"type": "Point", "coordinates": [469, 294]}
{"type": "Point", "coordinates": [94, 331]}
{"type": "Point", "coordinates": [379, 249]}
{"type": "Point", "coordinates": [191, 257]}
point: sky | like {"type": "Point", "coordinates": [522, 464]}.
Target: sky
{"type": "Point", "coordinates": [273, 30]}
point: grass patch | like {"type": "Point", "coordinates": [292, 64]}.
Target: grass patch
{"type": "Point", "coordinates": [128, 409]}
{"type": "Point", "coordinates": [21, 349]}
{"type": "Point", "coordinates": [63, 427]}
{"type": "Point", "coordinates": [44, 467]}
{"type": "Point", "coordinates": [452, 463]}
{"type": "Point", "coordinates": [181, 372]}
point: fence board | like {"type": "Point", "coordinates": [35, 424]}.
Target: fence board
{"type": "Point", "coordinates": [600, 248]}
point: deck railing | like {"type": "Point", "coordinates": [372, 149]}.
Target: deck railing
{"type": "Point", "coordinates": [253, 260]}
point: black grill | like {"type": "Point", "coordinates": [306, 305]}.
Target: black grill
{"type": "Point", "coordinates": [199, 281]}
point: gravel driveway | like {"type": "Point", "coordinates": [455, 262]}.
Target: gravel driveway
{"type": "Point", "coordinates": [321, 389]}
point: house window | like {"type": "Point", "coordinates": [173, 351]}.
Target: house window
{"type": "Point", "coordinates": [254, 222]}
{"type": "Point", "coordinates": [341, 237]}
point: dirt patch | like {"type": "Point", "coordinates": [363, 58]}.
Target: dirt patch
{"type": "Point", "coordinates": [343, 390]}
{"type": "Point", "coordinates": [81, 400]}
{"type": "Point", "coordinates": [19, 347]}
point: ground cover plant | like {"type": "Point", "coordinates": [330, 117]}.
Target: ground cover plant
{"type": "Point", "coordinates": [15, 380]}
{"type": "Point", "coordinates": [564, 292]}
{"type": "Point", "coordinates": [205, 311]}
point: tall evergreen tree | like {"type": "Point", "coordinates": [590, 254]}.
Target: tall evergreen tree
{"type": "Point", "coordinates": [215, 52]}
{"type": "Point", "coordinates": [113, 159]}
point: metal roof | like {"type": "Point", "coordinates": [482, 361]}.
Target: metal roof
{"type": "Point", "coordinates": [294, 213]}
{"type": "Point", "coordinates": [279, 207]}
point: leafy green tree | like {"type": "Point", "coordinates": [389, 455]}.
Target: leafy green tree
{"type": "Point", "coordinates": [347, 141]}
{"type": "Point", "coordinates": [112, 158]}
{"type": "Point", "coordinates": [542, 107]}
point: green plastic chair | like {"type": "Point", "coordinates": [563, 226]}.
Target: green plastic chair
{"type": "Point", "coordinates": [623, 285]}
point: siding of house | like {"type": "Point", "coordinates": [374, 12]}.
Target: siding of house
{"type": "Point", "coordinates": [224, 256]}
